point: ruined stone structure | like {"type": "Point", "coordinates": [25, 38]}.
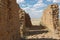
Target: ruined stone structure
{"type": "Point", "coordinates": [28, 21]}
{"type": "Point", "coordinates": [25, 22]}
{"type": "Point", "coordinates": [9, 20]}
{"type": "Point", "coordinates": [14, 24]}
{"type": "Point", "coordinates": [50, 18]}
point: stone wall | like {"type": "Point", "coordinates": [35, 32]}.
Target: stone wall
{"type": "Point", "coordinates": [9, 20]}
{"type": "Point", "coordinates": [24, 18]}
{"type": "Point", "coordinates": [50, 17]}
{"type": "Point", "coordinates": [3, 19]}
{"type": "Point", "coordinates": [28, 21]}
{"type": "Point", "coordinates": [25, 22]}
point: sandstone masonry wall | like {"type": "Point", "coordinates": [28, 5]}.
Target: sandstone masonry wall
{"type": "Point", "coordinates": [9, 20]}
{"type": "Point", "coordinates": [28, 21]}
{"type": "Point", "coordinates": [50, 18]}
{"type": "Point", "coordinates": [25, 22]}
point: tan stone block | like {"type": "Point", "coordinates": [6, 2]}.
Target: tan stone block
{"type": "Point", "coordinates": [49, 18]}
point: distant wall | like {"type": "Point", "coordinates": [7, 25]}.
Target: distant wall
{"type": "Point", "coordinates": [28, 21]}
{"type": "Point", "coordinates": [25, 22]}
{"type": "Point", "coordinates": [24, 19]}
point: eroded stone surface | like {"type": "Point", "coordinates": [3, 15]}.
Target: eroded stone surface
{"type": "Point", "coordinates": [9, 20]}
{"type": "Point", "coordinates": [50, 18]}
{"type": "Point", "coordinates": [25, 22]}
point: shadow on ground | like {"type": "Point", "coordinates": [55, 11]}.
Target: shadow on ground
{"type": "Point", "coordinates": [41, 39]}
{"type": "Point", "coordinates": [36, 32]}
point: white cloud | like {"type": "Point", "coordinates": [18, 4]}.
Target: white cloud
{"type": "Point", "coordinates": [19, 1]}
{"type": "Point", "coordinates": [37, 13]}
{"type": "Point", "coordinates": [34, 7]}
{"type": "Point", "coordinates": [39, 4]}
{"type": "Point", "coordinates": [49, 0]}
{"type": "Point", "coordinates": [59, 6]}
{"type": "Point", "coordinates": [33, 11]}
{"type": "Point", "coordinates": [59, 10]}
{"type": "Point", "coordinates": [56, 1]}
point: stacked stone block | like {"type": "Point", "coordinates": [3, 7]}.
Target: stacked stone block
{"type": "Point", "coordinates": [50, 17]}
{"type": "Point", "coordinates": [3, 19]}
{"type": "Point", "coordinates": [13, 19]}
{"type": "Point", "coordinates": [55, 12]}
{"type": "Point", "coordinates": [22, 22]}
{"type": "Point", "coordinates": [25, 22]}
{"type": "Point", "coordinates": [9, 20]}
{"type": "Point", "coordinates": [28, 21]}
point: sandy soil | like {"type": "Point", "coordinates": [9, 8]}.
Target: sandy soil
{"type": "Point", "coordinates": [35, 21]}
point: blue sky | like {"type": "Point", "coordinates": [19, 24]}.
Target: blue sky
{"type": "Point", "coordinates": [35, 7]}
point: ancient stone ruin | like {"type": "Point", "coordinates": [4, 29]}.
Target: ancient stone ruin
{"type": "Point", "coordinates": [25, 22]}
{"type": "Point", "coordinates": [9, 20]}
{"type": "Point", "coordinates": [15, 22]}
{"type": "Point", "coordinates": [50, 18]}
